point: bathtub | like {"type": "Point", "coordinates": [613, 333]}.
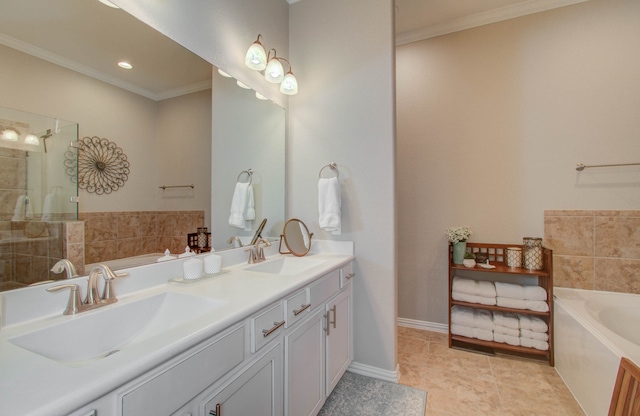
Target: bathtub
{"type": "Point", "coordinates": [592, 331]}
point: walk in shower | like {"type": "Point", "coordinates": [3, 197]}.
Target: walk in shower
{"type": "Point", "coordinates": [38, 194]}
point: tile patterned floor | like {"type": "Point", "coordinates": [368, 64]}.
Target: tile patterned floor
{"type": "Point", "coordinates": [461, 383]}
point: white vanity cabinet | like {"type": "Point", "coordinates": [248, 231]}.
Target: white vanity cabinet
{"type": "Point", "coordinates": [319, 349]}
{"type": "Point", "coordinates": [255, 391]}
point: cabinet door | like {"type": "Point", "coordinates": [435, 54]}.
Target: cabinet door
{"type": "Point", "coordinates": [256, 391]}
{"type": "Point", "coordinates": [304, 367]}
{"type": "Point", "coordinates": [339, 335]}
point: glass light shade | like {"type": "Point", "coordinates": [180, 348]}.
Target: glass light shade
{"type": "Point", "coordinates": [224, 74]}
{"type": "Point", "coordinates": [256, 57]}
{"type": "Point", "coordinates": [274, 72]}
{"type": "Point", "coordinates": [10, 135]}
{"type": "Point", "coordinates": [260, 96]}
{"type": "Point", "coordinates": [243, 85]}
{"type": "Point", "coordinates": [31, 139]}
{"type": "Point", "coordinates": [289, 84]}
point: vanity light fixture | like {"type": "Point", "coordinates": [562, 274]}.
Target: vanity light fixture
{"type": "Point", "coordinates": [224, 74]}
{"type": "Point", "coordinates": [289, 85]}
{"type": "Point", "coordinates": [243, 85]}
{"type": "Point", "coordinates": [31, 139]}
{"type": "Point", "coordinates": [260, 96]}
{"type": "Point", "coordinates": [258, 60]}
{"type": "Point", "coordinates": [256, 57]}
{"type": "Point", "coordinates": [274, 71]}
{"type": "Point", "coordinates": [125, 65]}
{"type": "Point", "coordinates": [10, 135]}
{"type": "Point", "coordinates": [108, 3]}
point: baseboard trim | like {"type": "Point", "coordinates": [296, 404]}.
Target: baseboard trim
{"type": "Point", "coordinates": [375, 372]}
{"type": "Point", "coordinates": [424, 325]}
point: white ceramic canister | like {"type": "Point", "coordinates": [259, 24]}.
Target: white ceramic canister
{"type": "Point", "coordinates": [212, 264]}
{"type": "Point", "coordinates": [192, 269]}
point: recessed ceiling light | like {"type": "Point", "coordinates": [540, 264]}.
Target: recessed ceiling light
{"type": "Point", "coordinates": [125, 65]}
{"type": "Point", "coordinates": [108, 3]}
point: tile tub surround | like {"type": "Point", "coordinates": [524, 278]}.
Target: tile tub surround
{"type": "Point", "coordinates": [115, 235]}
{"type": "Point", "coordinates": [594, 250]}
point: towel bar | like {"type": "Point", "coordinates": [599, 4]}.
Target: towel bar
{"type": "Point", "coordinates": [333, 166]}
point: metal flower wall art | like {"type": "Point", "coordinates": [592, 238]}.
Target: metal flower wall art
{"type": "Point", "coordinates": [102, 166]}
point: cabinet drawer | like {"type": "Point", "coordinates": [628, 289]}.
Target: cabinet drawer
{"type": "Point", "coordinates": [297, 307]}
{"type": "Point", "coordinates": [324, 288]}
{"type": "Point", "coordinates": [178, 384]}
{"type": "Point", "coordinates": [346, 274]}
{"type": "Point", "coordinates": [266, 326]}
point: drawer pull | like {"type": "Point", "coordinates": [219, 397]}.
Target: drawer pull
{"type": "Point", "coordinates": [302, 309]}
{"type": "Point", "coordinates": [267, 332]}
{"type": "Point", "coordinates": [349, 276]}
{"type": "Point", "coordinates": [328, 328]}
{"type": "Point", "coordinates": [217, 412]}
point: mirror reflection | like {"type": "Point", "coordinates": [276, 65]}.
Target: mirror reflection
{"type": "Point", "coordinates": [296, 237]}
{"type": "Point", "coordinates": [160, 113]}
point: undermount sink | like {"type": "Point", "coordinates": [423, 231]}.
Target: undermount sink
{"type": "Point", "coordinates": [285, 265]}
{"type": "Point", "coordinates": [100, 333]}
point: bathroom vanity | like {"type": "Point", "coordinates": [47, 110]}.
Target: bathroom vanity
{"type": "Point", "coordinates": [271, 338]}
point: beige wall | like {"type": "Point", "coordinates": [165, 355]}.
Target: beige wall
{"type": "Point", "coordinates": [491, 124]}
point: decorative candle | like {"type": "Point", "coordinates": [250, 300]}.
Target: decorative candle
{"type": "Point", "coordinates": [212, 264]}
{"type": "Point", "coordinates": [513, 257]}
{"type": "Point", "coordinates": [532, 253]}
{"type": "Point", "coordinates": [192, 269]}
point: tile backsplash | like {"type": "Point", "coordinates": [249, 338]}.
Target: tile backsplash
{"type": "Point", "coordinates": [115, 235]}
{"type": "Point", "coordinates": [595, 250]}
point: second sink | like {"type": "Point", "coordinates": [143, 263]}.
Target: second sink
{"type": "Point", "coordinates": [285, 265]}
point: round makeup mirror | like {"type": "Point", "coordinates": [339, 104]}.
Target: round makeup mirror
{"type": "Point", "coordinates": [296, 237]}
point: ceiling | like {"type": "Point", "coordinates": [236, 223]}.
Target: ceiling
{"type": "Point", "coordinates": [91, 38]}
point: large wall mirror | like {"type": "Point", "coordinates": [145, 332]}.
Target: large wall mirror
{"type": "Point", "coordinates": [176, 118]}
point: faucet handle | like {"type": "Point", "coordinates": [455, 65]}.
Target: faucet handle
{"type": "Point", "coordinates": [74, 303]}
{"type": "Point", "coordinates": [252, 254]}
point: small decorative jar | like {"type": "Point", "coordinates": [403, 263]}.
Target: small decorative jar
{"type": "Point", "coordinates": [532, 258]}
{"type": "Point", "coordinates": [513, 257]}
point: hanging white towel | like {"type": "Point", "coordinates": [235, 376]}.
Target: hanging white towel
{"type": "Point", "coordinates": [251, 208]}
{"type": "Point", "coordinates": [239, 205]}
{"type": "Point", "coordinates": [329, 205]}
{"type": "Point", "coordinates": [18, 212]}
{"type": "Point", "coordinates": [48, 206]}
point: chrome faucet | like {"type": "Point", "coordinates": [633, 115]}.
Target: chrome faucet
{"type": "Point", "coordinates": [233, 239]}
{"type": "Point", "coordinates": [65, 265]}
{"type": "Point", "coordinates": [93, 299]}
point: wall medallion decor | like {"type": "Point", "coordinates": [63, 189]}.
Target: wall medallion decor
{"type": "Point", "coordinates": [102, 166]}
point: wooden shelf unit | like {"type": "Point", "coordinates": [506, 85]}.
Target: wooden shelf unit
{"type": "Point", "coordinates": [497, 255]}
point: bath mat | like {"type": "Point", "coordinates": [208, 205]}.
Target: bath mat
{"type": "Point", "coordinates": [357, 395]}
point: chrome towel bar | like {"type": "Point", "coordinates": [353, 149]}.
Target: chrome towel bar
{"type": "Point", "coordinates": [580, 167]}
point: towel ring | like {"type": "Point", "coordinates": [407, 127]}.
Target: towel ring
{"type": "Point", "coordinates": [249, 173]}
{"type": "Point", "coordinates": [333, 166]}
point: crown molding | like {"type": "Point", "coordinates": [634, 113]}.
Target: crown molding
{"type": "Point", "coordinates": [481, 19]}
{"type": "Point", "coordinates": [101, 76]}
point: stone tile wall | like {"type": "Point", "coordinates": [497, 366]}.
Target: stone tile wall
{"type": "Point", "coordinates": [595, 250]}
{"type": "Point", "coordinates": [115, 235]}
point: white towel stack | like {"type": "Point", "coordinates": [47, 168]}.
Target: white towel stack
{"type": "Point", "coordinates": [511, 295]}
{"type": "Point", "coordinates": [473, 291]}
{"type": "Point", "coordinates": [520, 329]}
{"type": "Point", "coordinates": [472, 323]}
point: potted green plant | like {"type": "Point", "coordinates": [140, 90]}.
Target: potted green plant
{"type": "Point", "coordinates": [469, 260]}
{"type": "Point", "coordinates": [458, 238]}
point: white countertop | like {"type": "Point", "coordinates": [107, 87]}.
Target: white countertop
{"type": "Point", "coordinates": [31, 384]}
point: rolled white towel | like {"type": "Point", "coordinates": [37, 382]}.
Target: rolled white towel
{"type": "Point", "coordinates": [506, 331]}
{"type": "Point", "coordinates": [478, 318]}
{"type": "Point", "coordinates": [469, 332]}
{"type": "Point", "coordinates": [18, 212]}
{"type": "Point", "coordinates": [464, 297]}
{"type": "Point", "coordinates": [474, 287]}
{"type": "Point", "coordinates": [532, 305]}
{"type": "Point", "coordinates": [506, 339]}
{"type": "Point", "coordinates": [534, 343]}
{"type": "Point", "coordinates": [509, 320]}
{"type": "Point", "coordinates": [533, 323]}
{"type": "Point", "coordinates": [540, 336]}
{"type": "Point", "coordinates": [515, 291]}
